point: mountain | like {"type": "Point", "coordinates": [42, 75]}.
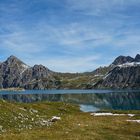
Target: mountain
{"type": "Point", "coordinates": [11, 71]}
{"type": "Point", "coordinates": [124, 74]}
{"type": "Point", "coordinates": [123, 59]}
{"type": "Point", "coordinates": [137, 58]}
{"type": "Point", "coordinates": [15, 73]}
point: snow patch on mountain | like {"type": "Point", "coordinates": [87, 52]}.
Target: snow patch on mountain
{"type": "Point", "coordinates": [132, 64]}
{"type": "Point", "coordinates": [106, 75]}
{"type": "Point", "coordinates": [25, 67]}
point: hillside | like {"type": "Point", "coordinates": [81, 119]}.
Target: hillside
{"type": "Point", "coordinates": [34, 121]}
{"type": "Point", "coordinates": [124, 74]}
{"type": "Point", "coordinates": [17, 74]}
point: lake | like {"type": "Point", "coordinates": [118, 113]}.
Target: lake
{"type": "Point", "coordinates": [88, 100]}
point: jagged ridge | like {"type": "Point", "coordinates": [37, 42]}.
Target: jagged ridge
{"type": "Point", "coordinates": [125, 73]}
{"type": "Point", "coordinates": [15, 73]}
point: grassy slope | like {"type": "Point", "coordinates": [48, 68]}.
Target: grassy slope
{"type": "Point", "coordinates": [77, 81]}
{"type": "Point", "coordinates": [81, 80]}
{"type": "Point", "coordinates": [25, 122]}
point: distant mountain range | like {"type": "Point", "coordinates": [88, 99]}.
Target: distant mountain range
{"type": "Point", "coordinates": [124, 72]}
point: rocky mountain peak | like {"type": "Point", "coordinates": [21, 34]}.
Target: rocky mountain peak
{"type": "Point", "coordinates": [123, 59]}
{"type": "Point", "coordinates": [125, 73]}
{"type": "Point", "coordinates": [13, 60]}
{"type": "Point", "coordinates": [39, 67]}
{"type": "Point", "coordinates": [15, 73]}
{"type": "Point", "coordinates": [40, 71]}
{"type": "Point", "coordinates": [137, 58]}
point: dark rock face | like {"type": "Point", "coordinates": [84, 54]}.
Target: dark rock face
{"type": "Point", "coordinates": [36, 72]}
{"type": "Point", "coordinates": [39, 77]}
{"type": "Point", "coordinates": [122, 59]}
{"type": "Point", "coordinates": [15, 73]}
{"type": "Point", "coordinates": [124, 72]}
{"type": "Point", "coordinates": [137, 58]}
{"type": "Point", "coordinates": [122, 76]}
{"type": "Point", "coordinates": [11, 72]}
{"type": "Point", "coordinates": [125, 77]}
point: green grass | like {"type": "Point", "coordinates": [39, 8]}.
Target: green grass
{"type": "Point", "coordinates": [78, 82]}
{"type": "Point", "coordinates": [21, 121]}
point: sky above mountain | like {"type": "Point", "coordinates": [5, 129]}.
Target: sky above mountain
{"type": "Point", "coordinates": [69, 35]}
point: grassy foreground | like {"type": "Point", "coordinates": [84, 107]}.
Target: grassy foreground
{"type": "Point", "coordinates": [31, 121]}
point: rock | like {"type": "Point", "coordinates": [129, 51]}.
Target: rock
{"type": "Point", "coordinates": [138, 121]}
{"type": "Point", "coordinates": [33, 111]}
{"type": "Point", "coordinates": [10, 72]}
{"type": "Point", "coordinates": [55, 118]}
{"type": "Point", "coordinates": [131, 115]}
{"type": "Point", "coordinates": [125, 74]}
{"type": "Point", "coordinates": [137, 58]}
{"type": "Point", "coordinates": [122, 59]}
{"type": "Point", "coordinates": [121, 77]}
{"type": "Point", "coordinates": [43, 122]}
{"type": "Point", "coordinates": [23, 109]}
{"type": "Point", "coordinates": [120, 74]}
{"type": "Point", "coordinates": [15, 73]}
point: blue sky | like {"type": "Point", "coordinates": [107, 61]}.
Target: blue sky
{"type": "Point", "coordinates": [69, 35]}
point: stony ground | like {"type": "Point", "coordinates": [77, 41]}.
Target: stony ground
{"type": "Point", "coordinates": [62, 121]}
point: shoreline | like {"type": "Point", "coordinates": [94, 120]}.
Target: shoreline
{"type": "Point", "coordinates": [12, 89]}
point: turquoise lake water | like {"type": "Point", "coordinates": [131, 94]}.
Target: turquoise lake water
{"type": "Point", "coordinates": [88, 100]}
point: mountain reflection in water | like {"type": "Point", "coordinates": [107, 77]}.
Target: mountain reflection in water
{"type": "Point", "coordinates": [87, 101]}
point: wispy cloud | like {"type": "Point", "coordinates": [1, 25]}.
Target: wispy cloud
{"type": "Point", "coordinates": [102, 7]}
{"type": "Point", "coordinates": [71, 35]}
{"type": "Point", "coordinates": [66, 64]}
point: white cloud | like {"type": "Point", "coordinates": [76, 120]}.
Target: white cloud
{"type": "Point", "coordinates": [74, 36]}
{"type": "Point", "coordinates": [70, 36]}
{"type": "Point", "coordinates": [65, 64]}
{"type": "Point", "coordinates": [69, 44]}
{"type": "Point", "coordinates": [100, 7]}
